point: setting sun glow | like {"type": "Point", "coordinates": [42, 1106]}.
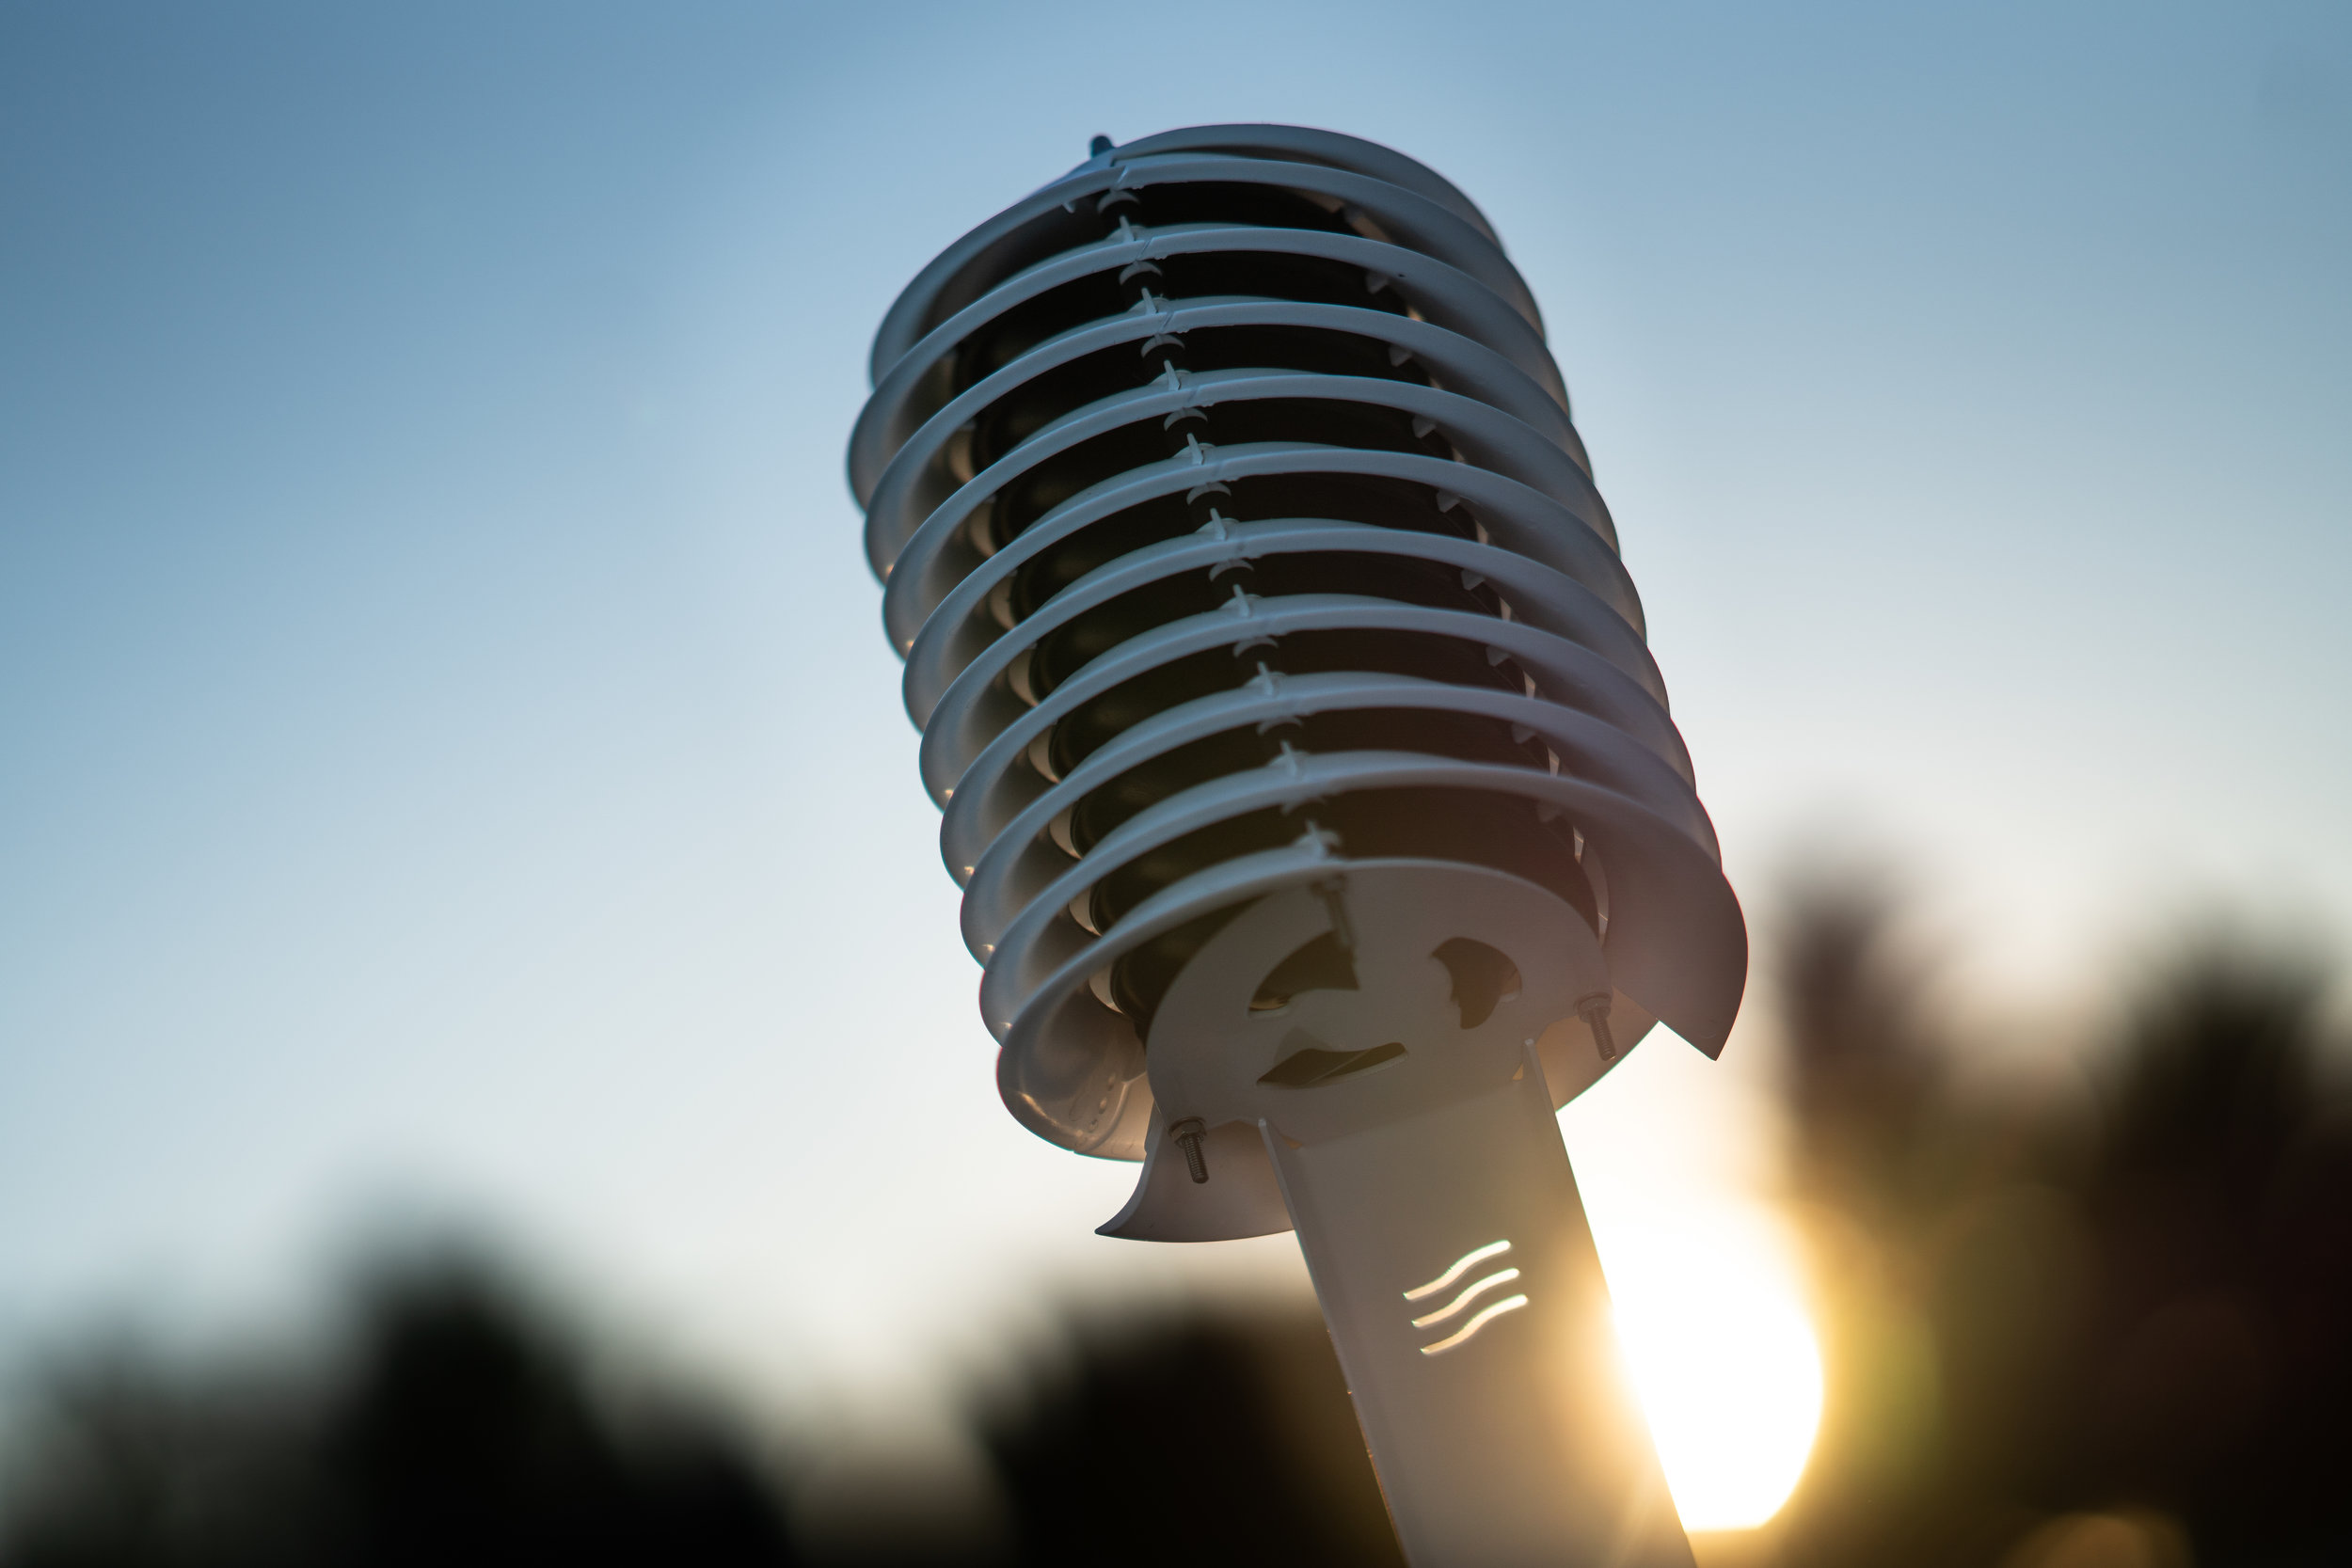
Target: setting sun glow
{"type": "Point", "coordinates": [1724, 1358]}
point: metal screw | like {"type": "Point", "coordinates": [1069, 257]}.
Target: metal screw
{"type": "Point", "coordinates": [1189, 1133]}
{"type": "Point", "coordinates": [1594, 1011]}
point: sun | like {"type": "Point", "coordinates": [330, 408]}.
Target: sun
{"type": "Point", "coordinates": [1723, 1359]}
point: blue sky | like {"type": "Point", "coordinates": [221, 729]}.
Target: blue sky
{"type": "Point", "coordinates": [450, 762]}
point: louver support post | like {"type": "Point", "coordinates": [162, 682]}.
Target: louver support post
{"type": "Point", "coordinates": [1321, 824]}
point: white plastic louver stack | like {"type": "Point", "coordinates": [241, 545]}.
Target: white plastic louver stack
{"type": "Point", "coordinates": [1321, 823]}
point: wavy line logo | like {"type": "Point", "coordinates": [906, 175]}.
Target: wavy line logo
{"type": "Point", "coordinates": [1470, 1297]}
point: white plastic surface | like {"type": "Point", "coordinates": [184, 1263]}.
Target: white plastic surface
{"type": "Point", "coordinates": [1431, 1197]}
{"type": "Point", "coordinates": [1308, 777]}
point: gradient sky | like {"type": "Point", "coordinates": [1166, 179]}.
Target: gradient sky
{"type": "Point", "coordinates": [450, 762]}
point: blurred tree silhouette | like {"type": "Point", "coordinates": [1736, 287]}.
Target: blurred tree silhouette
{"type": "Point", "coordinates": [2145, 1318]}
{"type": "Point", "coordinates": [457, 1432]}
{"type": "Point", "coordinates": [456, 1427]}
{"type": "Point", "coordinates": [2050, 1342]}
{"type": "Point", "coordinates": [1222, 1440]}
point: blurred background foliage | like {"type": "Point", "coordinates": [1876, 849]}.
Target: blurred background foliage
{"type": "Point", "coordinates": [2062, 1333]}
{"type": "Point", "coordinates": [2110, 1329]}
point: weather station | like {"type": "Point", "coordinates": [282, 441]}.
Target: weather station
{"type": "Point", "coordinates": [1321, 826]}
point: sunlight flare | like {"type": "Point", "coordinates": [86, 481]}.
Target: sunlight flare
{"type": "Point", "coordinates": [1723, 1359]}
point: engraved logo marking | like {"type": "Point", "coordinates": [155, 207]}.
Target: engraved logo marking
{"type": "Point", "coordinates": [1468, 1297]}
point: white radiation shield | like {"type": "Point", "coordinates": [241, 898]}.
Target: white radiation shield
{"type": "Point", "coordinates": [1322, 826]}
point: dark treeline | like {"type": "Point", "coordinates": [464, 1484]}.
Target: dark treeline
{"type": "Point", "coordinates": [457, 1425]}
{"type": "Point", "coordinates": [2059, 1334]}
{"type": "Point", "coordinates": [2053, 1340]}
